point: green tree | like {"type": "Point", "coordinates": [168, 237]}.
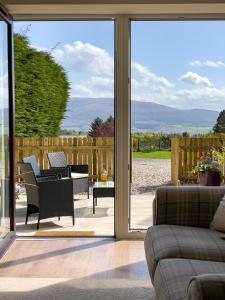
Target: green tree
{"type": "Point", "coordinates": [94, 125]}
{"type": "Point", "coordinates": [220, 124]}
{"type": "Point", "coordinates": [41, 91]}
{"type": "Point", "coordinates": [110, 120]}
{"type": "Point", "coordinates": [185, 134]}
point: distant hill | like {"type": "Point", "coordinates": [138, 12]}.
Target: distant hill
{"type": "Point", "coordinates": [146, 116]}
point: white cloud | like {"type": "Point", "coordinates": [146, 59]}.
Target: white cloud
{"type": "Point", "coordinates": [96, 68]}
{"type": "Point", "coordinates": [196, 79]}
{"type": "Point", "coordinates": [80, 90]}
{"type": "Point", "coordinates": [145, 84]}
{"type": "Point", "coordinates": [84, 57]}
{"type": "Point", "coordinates": [199, 96]}
{"type": "Point", "coordinates": [95, 86]}
{"type": "Point", "coordinates": [204, 97]}
{"type": "Point", "coordinates": [207, 63]}
{"type": "Point", "coordinates": [143, 73]}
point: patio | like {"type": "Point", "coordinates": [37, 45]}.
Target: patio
{"type": "Point", "coordinates": [145, 180]}
{"type": "Point", "coordinates": [86, 223]}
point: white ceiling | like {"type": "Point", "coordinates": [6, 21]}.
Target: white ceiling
{"type": "Point", "coordinates": [49, 8]}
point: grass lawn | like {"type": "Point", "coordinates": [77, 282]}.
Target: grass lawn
{"type": "Point", "coordinates": [153, 154]}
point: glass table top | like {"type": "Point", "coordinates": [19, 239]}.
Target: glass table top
{"type": "Point", "coordinates": [103, 184]}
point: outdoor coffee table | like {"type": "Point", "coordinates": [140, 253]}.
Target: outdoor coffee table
{"type": "Point", "coordinates": [102, 190]}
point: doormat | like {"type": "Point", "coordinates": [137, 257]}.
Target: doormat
{"type": "Point", "coordinates": [44, 233]}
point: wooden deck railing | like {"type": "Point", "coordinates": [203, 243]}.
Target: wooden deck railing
{"type": "Point", "coordinates": [98, 153]}
{"type": "Point", "coordinates": [185, 153]}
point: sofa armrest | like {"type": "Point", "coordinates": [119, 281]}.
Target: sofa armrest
{"type": "Point", "coordinates": [186, 205]}
{"type": "Point", "coordinates": [207, 286]}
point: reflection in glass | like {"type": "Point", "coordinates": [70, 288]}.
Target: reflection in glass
{"type": "Point", "coordinates": [4, 132]}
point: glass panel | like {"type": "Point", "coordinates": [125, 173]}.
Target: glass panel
{"type": "Point", "coordinates": [177, 108]}
{"type": "Point", "coordinates": [83, 123]}
{"type": "Point", "coordinates": [4, 132]}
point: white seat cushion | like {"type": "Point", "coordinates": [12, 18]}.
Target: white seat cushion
{"type": "Point", "coordinates": [79, 175]}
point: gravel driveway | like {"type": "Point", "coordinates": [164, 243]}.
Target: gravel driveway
{"type": "Point", "coordinates": [148, 174]}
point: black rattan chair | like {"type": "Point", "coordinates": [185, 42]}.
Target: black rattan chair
{"type": "Point", "coordinates": [79, 173]}
{"type": "Point", "coordinates": [48, 196]}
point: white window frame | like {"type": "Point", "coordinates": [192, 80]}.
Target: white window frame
{"type": "Point", "coordinates": [122, 99]}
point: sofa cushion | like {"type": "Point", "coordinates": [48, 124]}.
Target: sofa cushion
{"type": "Point", "coordinates": [172, 276]}
{"type": "Point", "coordinates": [218, 222]}
{"type": "Point", "coordinates": [207, 286]}
{"type": "Point", "coordinates": [172, 241]}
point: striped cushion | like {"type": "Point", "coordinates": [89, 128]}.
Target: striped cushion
{"type": "Point", "coordinates": [171, 241]}
{"type": "Point", "coordinates": [172, 277]}
{"type": "Point", "coordinates": [186, 205]}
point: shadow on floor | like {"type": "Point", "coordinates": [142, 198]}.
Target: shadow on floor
{"type": "Point", "coordinates": [47, 255]}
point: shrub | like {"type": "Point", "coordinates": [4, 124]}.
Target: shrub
{"type": "Point", "coordinates": [41, 91]}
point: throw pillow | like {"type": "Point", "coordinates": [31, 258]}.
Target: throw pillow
{"type": "Point", "coordinates": [218, 222]}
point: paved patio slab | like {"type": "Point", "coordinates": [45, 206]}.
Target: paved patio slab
{"type": "Point", "coordinates": [101, 223]}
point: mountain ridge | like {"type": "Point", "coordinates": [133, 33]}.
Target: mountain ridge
{"type": "Point", "coordinates": [145, 116]}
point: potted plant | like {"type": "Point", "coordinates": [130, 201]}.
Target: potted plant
{"type": "Point", "coordinates": [209, 172]}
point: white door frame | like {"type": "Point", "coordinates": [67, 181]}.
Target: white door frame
{"type": "Point", "coordinates": [122, 98]}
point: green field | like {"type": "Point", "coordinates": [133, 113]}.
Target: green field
{"type": "Point", "coordinates": [153, 154]}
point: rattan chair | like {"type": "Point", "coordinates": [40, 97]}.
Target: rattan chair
{"type": "Point", "coordinates": [48, 196]}
{"type": "Point", "coordinates": [79, 173]}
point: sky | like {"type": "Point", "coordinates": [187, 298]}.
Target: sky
{"type": "Point", "coordinates": [175, 63]}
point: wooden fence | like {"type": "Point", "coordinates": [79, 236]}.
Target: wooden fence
{"type": "Point", "coordinates": [98, 153]}
{"type": "Point", "coordinates": [185, 153]}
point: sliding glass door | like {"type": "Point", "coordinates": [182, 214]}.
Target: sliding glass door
{"type": "Point", "coordinates": [177, 108]}
{"type": "Point", "coordinates": [73, 112]}
{"type": "Point", "coordinates": [6, 184]}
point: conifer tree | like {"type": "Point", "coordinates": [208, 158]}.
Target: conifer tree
{"type": "Point", "coordinates": [41, 91]}
{"type": "Point", "coordinates": [220, 124]}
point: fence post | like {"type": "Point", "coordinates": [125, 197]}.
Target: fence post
{"type": "Point", "coordinates": [175, 161]}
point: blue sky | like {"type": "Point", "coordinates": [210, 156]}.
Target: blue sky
{"type": "Point", "coordinates": [176, 63]}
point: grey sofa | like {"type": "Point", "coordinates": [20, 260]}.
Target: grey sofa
{"type": "Point", "coordinates": [186, 259]}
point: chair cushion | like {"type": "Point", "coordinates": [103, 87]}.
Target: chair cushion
{"type": "Point", "coordinates": [172, 276]}
{"type": "Point", "coordinates": [33, 161]}
{"type": "Point", "coordinates": [78, 175]}
{"type": "Point", "coordinates": [218, 222]}
{"type": "Point", "coordinates": [57, 159]}
{"type": "Point", "coordinates": [172, 241]}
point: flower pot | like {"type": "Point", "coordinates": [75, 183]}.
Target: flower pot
{"type": "Point", "coordinates": [209, 178]}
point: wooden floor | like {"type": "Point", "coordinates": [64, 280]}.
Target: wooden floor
{"type": "Point", "coordinates": [75, 258]}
